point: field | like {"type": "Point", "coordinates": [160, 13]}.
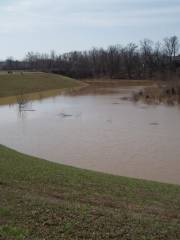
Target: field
{"type": "Point", "coordinates": [24, 83]}
{"type": "Point", "coordinates": [42, 200]}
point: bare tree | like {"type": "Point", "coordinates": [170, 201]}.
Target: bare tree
{"type": "Point", "coordinates": [131, 61]}
{"type": "Point", "coordinates": [129, 58]}
{"type": "Point", "coordinates": [171, 47]}
{"type": "Point", "coordinates": [146, 48]}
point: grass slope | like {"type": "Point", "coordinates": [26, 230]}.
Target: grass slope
{"type": "Point", "coordinates": [43, 200]}
{"type": "Point", "coordinates": [17, 83]}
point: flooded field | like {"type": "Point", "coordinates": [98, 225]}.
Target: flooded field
{"type": "Point", "coordinates": [99, 130]}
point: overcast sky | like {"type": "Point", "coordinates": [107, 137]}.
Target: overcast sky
{"type": "Point", "coordinates": [65, 25]}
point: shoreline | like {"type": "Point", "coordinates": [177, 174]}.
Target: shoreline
{"type": "Point", "coordinates": [83, 84]}
{"type": "Point", "coordinates": [10, 100]}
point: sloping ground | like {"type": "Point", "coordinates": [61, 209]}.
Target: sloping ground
{"type": "Point", "coordinates": [43, 200]}
{"type": "Point", "coordinates": [24, 83]}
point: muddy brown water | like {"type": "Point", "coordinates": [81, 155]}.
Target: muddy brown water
{"type": "Point", "coordinates": [103, 132]}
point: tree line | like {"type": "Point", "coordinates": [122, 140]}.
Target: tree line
{"type": "Point", "coordinates": [144, 61]}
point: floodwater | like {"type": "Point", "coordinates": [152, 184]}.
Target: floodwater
{"type": "Point", "coordinates": [101, 132]}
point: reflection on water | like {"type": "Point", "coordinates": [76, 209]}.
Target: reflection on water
{"type": "Point", "coordinates": [23, 108]}
{"type": "Point", "coordinates": [101, 132]}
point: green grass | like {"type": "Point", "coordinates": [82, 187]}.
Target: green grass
{"type": "Point", "coordinates": [43, 200]}
{"type": "Point", "coordinates": [17, 83]}
{"type": "Point", "coordinates": [9, 232]}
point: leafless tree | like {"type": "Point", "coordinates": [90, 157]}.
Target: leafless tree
{"type": "Point", "coordinates": [130, 61]}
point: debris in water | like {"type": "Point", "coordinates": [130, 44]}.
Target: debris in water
{"type": "Point", "coordinates": [28, 110]}
{"type": "Point", "coordinates": [109, 121]}
{"type": "Point", "coordinates": [154, 124]}
{"type": "Point", "coordinates": [125, 98]}
{"type": "Point", "coordinates": [65, 115]}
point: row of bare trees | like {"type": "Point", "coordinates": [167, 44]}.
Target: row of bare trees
{"type": "Point", "coordinates": [146, 61]}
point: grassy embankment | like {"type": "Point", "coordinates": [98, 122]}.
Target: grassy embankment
{"type": "Point", "coordinates": [34, 85]}
{"type": "Point", "coordinates": [43, 200]}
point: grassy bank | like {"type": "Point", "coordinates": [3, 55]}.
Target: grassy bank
{"type": "Point", "coordinates": [28, 83]}
{"type": "Point", "coordinates": [42, 200]}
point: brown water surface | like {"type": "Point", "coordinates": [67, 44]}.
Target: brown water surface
{"type": "Point", "coordinates": [101, 132]}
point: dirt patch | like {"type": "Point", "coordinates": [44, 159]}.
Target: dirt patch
{"type": "Point", "coordinates": [111, 83]}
